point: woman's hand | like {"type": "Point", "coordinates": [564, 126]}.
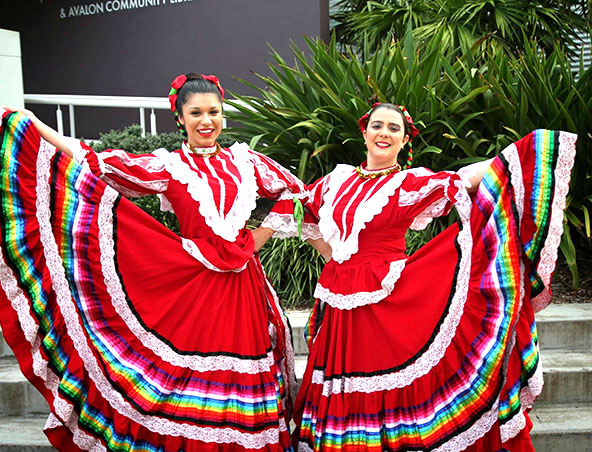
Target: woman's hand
{"type": "Point", "coordinates": [261, 236]}
{"type": "Point", "coordinates": [28, 113]}
{"type": "Point", "coordinates": [322, 247]}
{"type": "Point", "coordinates": [46, 132]}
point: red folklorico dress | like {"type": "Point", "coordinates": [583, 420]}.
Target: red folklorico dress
{"type": "Point", "coordinates": [437, 351]}
{"type": "Point", "coordinates": [140, 339]}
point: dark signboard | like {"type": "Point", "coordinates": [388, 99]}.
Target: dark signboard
{"type": "Point", "coordinates": [136, 47]}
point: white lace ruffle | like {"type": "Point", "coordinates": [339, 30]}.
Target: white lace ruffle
{"type": "Point", "coordinates": [355, 300]}
{"type": "Point", "coordinates": [269, 177]}
{"type": "Point", "coordinates": [285, 226]}
{"type": "Point", "coordinates": [345, 247]}
{"type": "Point", "coordinates": [303, 447]}
{"type": "Point", "coordinates": [565, 160]}
{"type": "Point", "coordinates": [165, 204]}
{"type": "Point", "coordinates": [288, 195]}
{"type": "Point", "coordinates": [115, 399]}
{"type": "Point", "coordinates": [194, 251]}
{"type": "Point", "coordinates": [410, 198]}
{"type": "Point", "coordinates": [225, 226]}
{"type": "Point", "coordinates": [437, 209]}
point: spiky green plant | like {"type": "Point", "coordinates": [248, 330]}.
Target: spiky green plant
{"type": "Point", "coordinates": [508, 24]}
{"type": "Point", "coordinates": [468, 108]}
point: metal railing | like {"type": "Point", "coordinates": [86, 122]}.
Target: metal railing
{"type": "Point", "coordinates": [71, 101]}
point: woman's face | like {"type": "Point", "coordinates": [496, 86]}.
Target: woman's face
{"type": "Point", "coordinates": [202, 117]}
{"type": "Point", "coordinates": [385, 136]}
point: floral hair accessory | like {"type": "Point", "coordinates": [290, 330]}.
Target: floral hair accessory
{"type": "Point", "coordinates": [215, 81]}
{"type": "Point", "coordinates": [175, 87]}
{"type": "Point", "coordinates": [409, 119]}
{"type": "Point", "coordinates": [363, 121]}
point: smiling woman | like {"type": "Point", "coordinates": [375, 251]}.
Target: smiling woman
{"type": "Point", "coordinates": [385, 136]}
{"type": "Point", "coordinates": [164, 342]}
{"type": "Point", "coordinates": [435, 351]}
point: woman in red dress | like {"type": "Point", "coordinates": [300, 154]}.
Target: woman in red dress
{"type": "Point", "coordinates": [141, 339]}
{"type": "Point", "coordinates": [436, 351]}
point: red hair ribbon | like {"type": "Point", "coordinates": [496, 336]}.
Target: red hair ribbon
{"type": "Point", "coordinates": [363, 121]}
{"type": "Point", "coordinates": [175, 87]}
{"type": "Point", "coordinates": [215, 81]}
{"type": "Point", "coordinates": [409, 119]}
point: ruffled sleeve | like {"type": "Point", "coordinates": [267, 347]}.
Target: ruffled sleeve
{"type": "Point", "coordinates": [277, 183]}
{"type": "Point", "coordinates": [132, 175]}
{"type": "Point", "coordinates": [428, 195]}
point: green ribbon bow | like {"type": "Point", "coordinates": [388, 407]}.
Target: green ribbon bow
{"type": "Point", "coordinates": [298, 215]}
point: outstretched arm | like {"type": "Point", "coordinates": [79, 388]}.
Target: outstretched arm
{"type": "Point", "coordinates": [47, 133]}
{"type": "Point", "coordinates": [472, 174]}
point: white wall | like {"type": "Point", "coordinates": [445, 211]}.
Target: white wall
{"type": "Point", "coordinates": [11, 72]}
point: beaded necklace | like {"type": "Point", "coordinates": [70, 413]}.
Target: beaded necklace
{"type": "Point", "coordinates": [373, 174]}
{"type": "Point", "coordinates": [204, 152]}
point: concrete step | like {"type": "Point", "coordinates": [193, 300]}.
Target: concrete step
{"type": "Point", "coordinates": [567, 376]}
{"type": "Point", "coordinates": [24, 434]}
{"type": "Point", "coordinates": [562, 428]}
{"type": "Point", "coordinates": [565, 326]}
{"type": "Point", "coordinates": [18, 397]}
{"type": "Point", "coordinates": [298, 321]}
{"type": "Point", "coordinates": [4, 348]}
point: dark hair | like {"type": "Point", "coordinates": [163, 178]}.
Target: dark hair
{"type": "Point", "coordinates": [388, 106]}
{"type": "Point", "coordinates": [195, 84]}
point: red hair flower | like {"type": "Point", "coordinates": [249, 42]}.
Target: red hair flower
{"type": "Point", "coordinates": [175, 87]}
{"type": "Point", "coordinates": [363, 121]}
{"type": "Point", "coordinates": [409, 119]}
{"type": "Point", "coordinates": [213, 79]}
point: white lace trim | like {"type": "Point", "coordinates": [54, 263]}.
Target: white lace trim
{"type": "Point", "coordinates": [64, 299]}
{"type": "Point", "coordinates": [75, 147]}
{"type": "Point", "coordinates": [303, 447]}
{"type": "Point", "coordinates": [437, 209]}
{"type": "Point", "coordinates": [83, 440]}
{"type": "Point", "coordinates": [225, 226]}
{"type": "Point", "coordinates": [528, 395]}
{"type": "Point", "coordinates": [457, 443]}
{"type": "Point", "coordinates": [511, 428]}
{"type": "Point", "coordinates": [268, 170]}
{"type": "Point", "coordinates": [565, 160]}
{"type": "Point", "coordinates": [470, 436]}
{"type": "Point", "coordinates": [287, 365]}
{"type": "Point", "coordinates": [370, 206]}
{"type": "Point", "coordinates": [148, 162]}
{"type": "Point", "coordinates": [443, 338]}
{"type": "Point", "coordinates": [194, 251]}
{"type": "Point", "coordinates": [165, 204]}
{"type": "Point", "coordinates": [513, 159]}
{"type": "Point", "coordinates": [410, 198]}
{"type": "Point", "coordinates": [158, 186]}
{"type": "Point", "coordinates": [288, 195]}
{"type": "Point", "coordinates": [355, 300]}
{"type": "Point", "coordinates": [285, 226]}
